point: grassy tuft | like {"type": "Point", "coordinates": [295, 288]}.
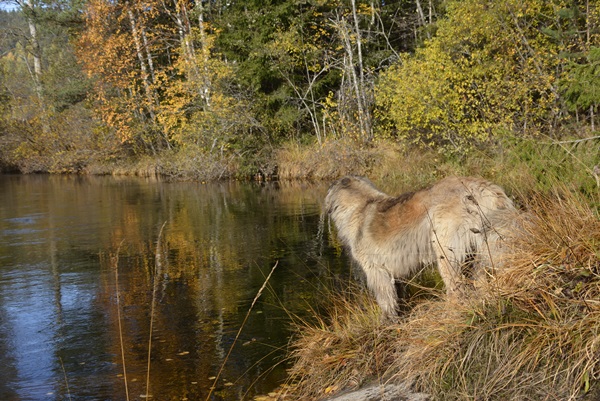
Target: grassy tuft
{"type": "Point", "coordinates": [329, 160]}
{"type": "Point", "coordinates": [345, 349]}
{"type": "Point", "coordinates": [532, 334]}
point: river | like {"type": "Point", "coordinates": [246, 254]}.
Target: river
{"type": "Point", "coordinates": [85, 273]}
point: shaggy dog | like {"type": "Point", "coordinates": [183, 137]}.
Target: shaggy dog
{"type": "Point", "coordinates": [457, 220]}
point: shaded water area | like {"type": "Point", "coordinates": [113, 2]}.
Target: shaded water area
{"type": "Point", "coordinates": [60, 321]}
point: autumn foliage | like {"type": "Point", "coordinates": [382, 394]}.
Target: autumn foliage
{"type": "Point", "coordinates": [240, 80]}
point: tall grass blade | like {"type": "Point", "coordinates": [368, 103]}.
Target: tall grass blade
{"type": "Point", "coordinates": [258, 294]}
{"type": "Point", "coordinates": [158, 265]}
{"type": "Point", "coordinates": [115, 262]}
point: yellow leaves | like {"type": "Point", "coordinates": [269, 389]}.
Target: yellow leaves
{"type": "Point", "coordinates": [195, 105]}
{"type": "Point", "coordinates": [329, 102]}
{"type": "Point", "coordinates": [330, 390]}
{"type": "Point", "coordinates": [484, 71]}
{"type": "Point", "coordinates": [425, 99]}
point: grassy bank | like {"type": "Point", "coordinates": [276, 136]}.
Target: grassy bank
{"type": "Point", "coordinates": [521, 165]}
{"type": "Point", "coordinates": [532, 334]}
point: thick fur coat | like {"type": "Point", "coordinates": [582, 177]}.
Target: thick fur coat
{"type": "Point", "coordinates": [455, 220]}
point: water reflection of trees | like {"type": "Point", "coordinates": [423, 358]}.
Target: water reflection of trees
{"type": "Point", "coordinates": [220, 242]}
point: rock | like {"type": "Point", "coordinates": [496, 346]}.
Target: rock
{"type": "Point", "coordinates": [381, 392]}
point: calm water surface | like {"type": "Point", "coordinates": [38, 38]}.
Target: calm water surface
{"type": "Point", "coordinates": [71, 247]}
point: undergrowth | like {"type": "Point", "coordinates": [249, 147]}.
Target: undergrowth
{"type": "Point", "coordinates": [522, 165]}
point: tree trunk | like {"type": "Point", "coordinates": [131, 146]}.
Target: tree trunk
{"type": "Point", "coordinates": [28, 8]}
{"type": "Point", "coordinates": [422, 16]}
{"type": "Point", "coordinates": [357, 79]}
{"type": "Point", "coordinates": [36, 51]}
{"type": "Point", "coordinates": [150, 96]}
{"type": "Point", "coordinates": [140, 55]}
{"type": "Point", "coordinates": [148, 55]}
{"type": "Point", "coordinates": [364, 113]}
{"type": "Point", "coordinates": [206, 81]}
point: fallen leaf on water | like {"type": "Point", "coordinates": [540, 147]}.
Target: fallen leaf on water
{"type": "Point", "coordinates": [249, 342]}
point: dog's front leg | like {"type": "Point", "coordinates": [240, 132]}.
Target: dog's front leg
{"type": "Point", "coordinates": [381, 282]}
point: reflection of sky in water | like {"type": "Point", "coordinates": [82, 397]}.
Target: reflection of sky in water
{"type": "Point", "coordinates": [37, 297]}
{"type": "Point", "coordinates": [30, 327]}
{"type": "Point", "coordinates": [48, 321]}
{"type": "Point", "coordinates": [22, 230]}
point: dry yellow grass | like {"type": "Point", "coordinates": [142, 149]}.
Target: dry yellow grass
{"type": "Point", "coordinates": [328, 160]}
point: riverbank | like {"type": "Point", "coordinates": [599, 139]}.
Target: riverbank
{"type": "Point", "coordinates": [520, 164]}
{"type": "Point", "coordinates": [532, 333]}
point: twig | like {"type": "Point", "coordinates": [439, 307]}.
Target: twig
{"type": "Point", "coordinates": [258, 294]}
{"type": "Point", "coordinates": [158, 264]}
{"type": "Point", "coordinates": [591, 138]}
{"type": "Point", "coordinates": [115, 261]}
{"type": "Point", "coordinates": [62, 365]}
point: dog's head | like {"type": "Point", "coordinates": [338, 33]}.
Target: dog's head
{"type": "Point", "coordinates": [350, 192]}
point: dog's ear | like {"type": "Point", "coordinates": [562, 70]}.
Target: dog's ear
{"type": "Point", "coordinates": [346, 181]}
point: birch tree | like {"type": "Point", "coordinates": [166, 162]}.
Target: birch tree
{"type": "Point", "coordinates": [347, 26]}
{"type": "Point", "coordinates": [29, 9]}
{"type": "Point", "coordinates": [118, 48]}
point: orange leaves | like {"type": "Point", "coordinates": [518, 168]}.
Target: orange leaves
{"type": "Point", "coordinates": [118, 48]}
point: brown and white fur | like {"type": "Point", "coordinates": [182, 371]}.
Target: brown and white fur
{"type": "Point", "coordinates": [457, 219]}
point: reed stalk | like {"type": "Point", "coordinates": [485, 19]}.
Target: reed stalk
{"type": "Point", "coordinates": [258, 294]}
{"type": "Point", "coordinates": [158, 265]}
{"type": "Point", "coordinates": [62, 365]}
{"type": "Point", "coordinates": [115, 263]}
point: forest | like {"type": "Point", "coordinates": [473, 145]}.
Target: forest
{"type": "Point", "coordinates": [228, 88]}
